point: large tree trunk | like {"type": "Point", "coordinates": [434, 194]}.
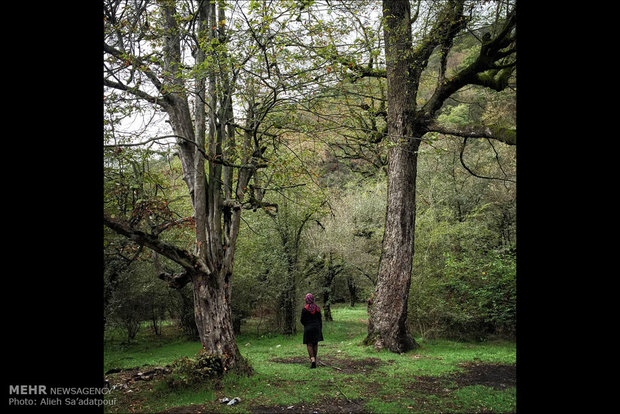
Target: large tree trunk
{"type": "Point", "coordinates": [388, 314]}
{"type": "Point", "coordinates": [212, 311]}
{"type": "Point", "coordinates": [387, 326]}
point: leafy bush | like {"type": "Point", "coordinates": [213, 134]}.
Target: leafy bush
{"type": "Point", "coordinates": [473, 299]}
{"type": "Point", "coordinates": [485, 292]}
{"type": "Point", "coordinates": [191, 371]}
{"type": "Point", "coordinates": [464, 281]}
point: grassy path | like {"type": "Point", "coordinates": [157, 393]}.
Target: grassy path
{"type": "Point", "coordinates": [441, 376]}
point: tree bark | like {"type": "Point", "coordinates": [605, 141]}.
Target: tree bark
{"type": "Point", "coordinates": [387, 326]}
{"type": "Point", "coordinates": [212, 311]}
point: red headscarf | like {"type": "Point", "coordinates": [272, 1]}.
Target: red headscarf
{"type": "Point", "coordinates": [310, 305]}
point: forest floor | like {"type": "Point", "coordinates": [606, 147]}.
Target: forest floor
{"type": "Point", "coordinates": [439, 377]}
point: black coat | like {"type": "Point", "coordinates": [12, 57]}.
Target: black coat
{"type": "Point", "coordinates": [313, 326]}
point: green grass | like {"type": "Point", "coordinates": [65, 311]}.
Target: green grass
{"type": "Point", "coordinates": [385, 388]}
{"type": "Point", "coordinates": [147, 349]}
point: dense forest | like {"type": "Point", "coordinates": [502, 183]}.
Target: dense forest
{"type": "Point", "coordinates": [259, 150]}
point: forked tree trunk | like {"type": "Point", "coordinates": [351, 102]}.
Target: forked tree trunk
{"type": "Point", "coordinates": [216, 212]}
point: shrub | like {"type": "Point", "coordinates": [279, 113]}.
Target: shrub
{"type": "Point", "coordinates": [191, 371]}
{"type": "Point", "coordinates": [483, 293]}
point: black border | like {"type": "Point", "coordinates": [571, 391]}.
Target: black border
{"type": "Point", "coordinates": [53, 266]}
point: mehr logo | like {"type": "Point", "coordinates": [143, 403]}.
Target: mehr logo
{"type": "Point", "coordinates": [28, 389]}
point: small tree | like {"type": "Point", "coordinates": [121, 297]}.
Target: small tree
{"type": "Point", "coordinates": [137, 297]}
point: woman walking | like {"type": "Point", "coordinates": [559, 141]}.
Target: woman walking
{"type": "Point", "coordinates": [313, 327]}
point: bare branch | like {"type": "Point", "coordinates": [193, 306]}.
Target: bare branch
{"type": "Point", "coordinates": [505, 135]}
{"type": "Point", "coordinates": [137, 144]}
{"type": "Point", "coordinates": [213, 158]}
{"type": "Point", "coordinates": [135, 62]}
{"type": "Point", "coordinates": [134, 91]}
{"type": "Point", "coordinates": [159, 229]}
{"type": "Point", "coordinates": [180, 256]}
{"type": "Point", "coordinates": [473, 173]}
